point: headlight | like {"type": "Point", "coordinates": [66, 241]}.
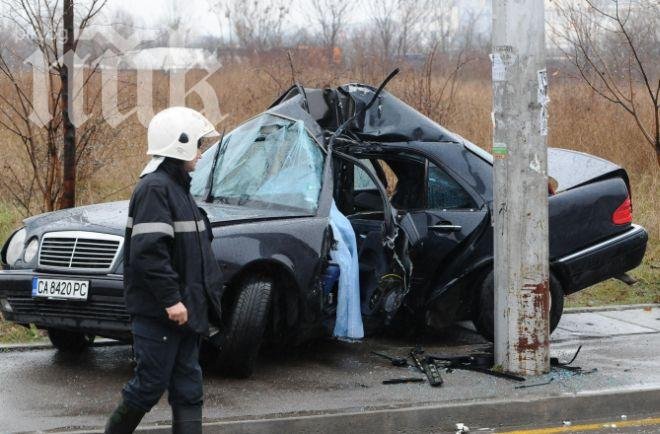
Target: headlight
{"type": "Point", "coordinates": [31, 250]}
{"type": "Point", "coordinates": [15, 247]}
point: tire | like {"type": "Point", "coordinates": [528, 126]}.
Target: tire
{"type": "Point", "coordinates": [69, 341]}
{"type": "Point", "coordinates": [484, 307]}
{"type": "Point", "coordinates": [246, 324]}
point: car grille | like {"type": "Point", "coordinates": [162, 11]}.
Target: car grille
{"type": "Point", "coordinates": [79, 251]}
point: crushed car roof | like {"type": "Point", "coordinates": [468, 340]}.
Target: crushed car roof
{"type": "Point", "coordinates": [389, 120]}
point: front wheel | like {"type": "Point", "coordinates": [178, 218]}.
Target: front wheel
{"type": "Point", "coordinates": [484, 310]}
{"type": "Point", "coordinates": [246, 324]}
{"type": "Point", "coordinates": [69, 341]}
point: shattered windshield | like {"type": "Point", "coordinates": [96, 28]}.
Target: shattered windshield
{"type": "Point", "coordinates": [269, 162]}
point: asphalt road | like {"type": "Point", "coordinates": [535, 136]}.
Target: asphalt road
{"type": "Point", "coordinates": [44, 389]}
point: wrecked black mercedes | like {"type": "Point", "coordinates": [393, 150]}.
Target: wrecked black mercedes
{"type": "Point", "coordinates": [419, 201]}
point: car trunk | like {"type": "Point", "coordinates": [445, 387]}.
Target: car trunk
{"type": "Point", "coordinates": [588, 192]}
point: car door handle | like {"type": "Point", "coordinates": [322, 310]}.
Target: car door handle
{"type": "Point", "coordinates": [446, 228]}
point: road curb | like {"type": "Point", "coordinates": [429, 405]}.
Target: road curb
{"type": "Point", "coordinates": [109, 342]}
{"type": "Point", "coordinates": [34, 346]}
{"type": "Point", "coordinates": [443, 418]}
{"type": "Point", "coordinates": [611, 307]}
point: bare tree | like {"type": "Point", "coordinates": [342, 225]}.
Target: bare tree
{"type": "Point", "coordinates": [383, 14]}
{"type": "Point", "coordinates": [411, 21]}
{"type": "Point", "coordinates": [443, 23]}
{"type": "Point", "coordinates": [615, 48]}
{"type": "Point", "coordinates": [447, 51]}
{"type": "Point", "coordinates": [123, 22]}
{"type": "Point", "coordinates": [360, 55]}
{"type": "Point", "coordinates": [38, 125]}
{"type": "Point", "coordinates": [399, 26]}
{"type": "Point", "coordinates": [175, 26]}
{"type": "Point", "coordinates": [433, 90]}
{"type": "Point", "coordinates": [329, 15]}
{"type": "Point", "coordinates": [470, 37]}
{"type": "Point", "coordinates": [256, 24]}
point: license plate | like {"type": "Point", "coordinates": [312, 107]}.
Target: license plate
{"type": "Point", "coordinates": [60, 288]}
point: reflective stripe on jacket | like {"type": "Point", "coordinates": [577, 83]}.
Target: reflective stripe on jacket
{"type": "Point", "coordinates": [167, 254]}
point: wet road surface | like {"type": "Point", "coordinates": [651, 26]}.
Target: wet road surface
{"type": "Point", "coordinates": [44, 389]}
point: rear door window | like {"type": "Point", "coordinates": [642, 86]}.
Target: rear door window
{"type": "Point", "coordinates": [444, 192]}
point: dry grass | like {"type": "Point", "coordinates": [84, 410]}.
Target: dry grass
{"type": "Point", "coordinates": [579, 120]}
{"type": "Point", "coordinates": [11, 333]}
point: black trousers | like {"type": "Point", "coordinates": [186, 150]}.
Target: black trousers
{"type": "Point", "coordinates": [167, 359]}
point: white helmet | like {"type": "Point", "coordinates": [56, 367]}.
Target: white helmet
{"type": "Point", "coordinates": [175, 132]}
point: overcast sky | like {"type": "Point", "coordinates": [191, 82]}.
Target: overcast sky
{"type": "Point", "coordinates": [205, 21]}
{"type": "Point", "coordinates": [150, 12]}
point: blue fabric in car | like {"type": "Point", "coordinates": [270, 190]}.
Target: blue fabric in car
{"type": "Point", "coordinates": [348, 323]}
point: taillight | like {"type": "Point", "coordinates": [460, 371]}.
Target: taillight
{"type": "Point", "coordinates": [623, 214]}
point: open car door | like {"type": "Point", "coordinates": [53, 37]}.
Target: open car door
{"type": "Point", "coordinates": [385, 268]}
{"type": "Point", "coordinates": [442, 218]}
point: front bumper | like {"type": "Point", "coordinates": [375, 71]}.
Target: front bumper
{"type": "Point", "coordinates": [103, 313]}
{"type": "Point", "coordinates": [601, 261]}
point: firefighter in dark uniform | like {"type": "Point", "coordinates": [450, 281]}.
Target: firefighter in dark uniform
{"type": "Point", "coordinates": [171, 278]}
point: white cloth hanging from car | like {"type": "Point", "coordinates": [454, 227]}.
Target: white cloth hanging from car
{"type": "Point", "coordinates": [348, 323]}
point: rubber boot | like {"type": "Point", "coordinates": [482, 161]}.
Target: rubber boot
{"type": "Point", "coordinates": [124, 419]}
{"type": "Point", "coordinates": [187, 419]}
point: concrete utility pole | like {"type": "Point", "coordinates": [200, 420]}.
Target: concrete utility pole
{"type": "Point", "coordinates": [520, 204]}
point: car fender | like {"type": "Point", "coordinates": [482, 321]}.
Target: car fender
{"type": "Point", "coordinates": [289, 308]}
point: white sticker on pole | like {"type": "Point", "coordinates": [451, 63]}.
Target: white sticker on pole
{"type": "Point", "coordinates": [503, 57]}
{"type": "Point", "coordinates": [535, 164]}
{"type": "Point", "coordinates": [499, 68]}
{"type": "Point", "coordinates": [543, 99]}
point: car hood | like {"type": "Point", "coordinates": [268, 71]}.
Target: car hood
{"type": "Point", "coordinates": [107, 217]}
{"type": "Point", "coordinates": [220, 213]}
{"type": "Point", "coordinates": [111, 217]}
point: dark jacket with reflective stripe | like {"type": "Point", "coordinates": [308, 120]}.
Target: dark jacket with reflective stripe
{"type": "Point", "coordinates": [167, 253]}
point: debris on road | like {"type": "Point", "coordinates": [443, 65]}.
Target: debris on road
{"type": "Point", "coordinates": [427, 366]}
{"type": "Point", "coordinates": [526, 386]}
{"type": "Point", "coordinates": [431, 366]}
{"type": "Point", "coordinates": [403, 380]}
{"type": "Point", "coordinates": [476, 362]}
{"type": "Point", "coordinates": [396, 361]}
{"type": "Point", "coordinates": [461, 428]}
{"type": "Point", "coordinates": [555, 363]}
